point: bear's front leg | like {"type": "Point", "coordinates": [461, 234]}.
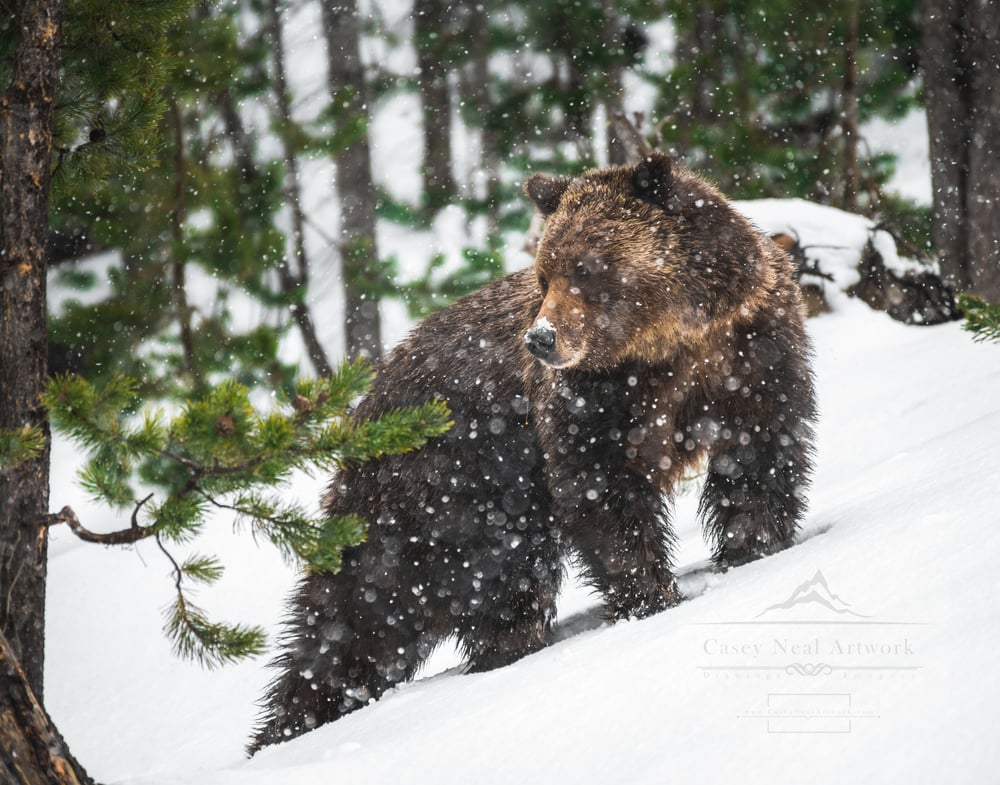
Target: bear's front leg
{"type": "Point", "coordinates": [614, 518]}
{"type": "Point", "coordinates": [514, 609]}
{"type": "Point", "coordinates": [623, 544]}
{"type": "Point", "coordinates": [759, 469]}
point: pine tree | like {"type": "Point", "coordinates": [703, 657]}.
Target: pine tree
{"type": "Point", "coordinates": [177, 190]}
{"type": "Point", "coordinates": [205, 364]}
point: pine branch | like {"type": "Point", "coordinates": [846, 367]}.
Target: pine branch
{"type": "Point", "coordinates": [982, 319]}
{"type": "Point", "coordinates": [397, 431]}
{"type": "Point", "coordinates": [219, 451]}
{"type": "Point", "coordinates": [205, 569]}
{"type": "Point", "coordinates": [193, 636]}
{"type": "Point", "coordinates": [296, 535]}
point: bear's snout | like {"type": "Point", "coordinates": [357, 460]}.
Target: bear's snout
{"type": "Point", "coordinates": [541, 341]}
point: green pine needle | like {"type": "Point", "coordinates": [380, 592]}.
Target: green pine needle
{"type": "Point", "coordinates": [335, 534]}
{"type": "Point", "coordinates": [397, 431]}
{"type": "Point", "coordinates": [982, 319]}
{"type": "Point", "coordinates": [204, 569]}
{"type": "Point", "coordinates": [211, 644]}
{"type": "Point", "coordinates": [179, 517]}
{"type": "Point", "coordinates": [21, 445]}
{"type": "Point", "coordinates": [107, 481]}
{"type": "Point", "coordinates": [323, 398]}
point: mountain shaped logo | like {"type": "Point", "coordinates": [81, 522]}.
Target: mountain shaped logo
{"type": "Point", "coordinates": [815, 592]}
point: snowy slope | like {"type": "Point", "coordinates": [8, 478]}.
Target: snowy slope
{"type": "Point", "coordinates": [903, 529]}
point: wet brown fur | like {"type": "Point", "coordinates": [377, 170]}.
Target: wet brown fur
{"type": "Point", "coordinates": [682, 342]}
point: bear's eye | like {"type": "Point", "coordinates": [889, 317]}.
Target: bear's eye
{"type": "Point", "coordinates": [543, 283]}
{"type": "Point", "coordinates": [581, 272]}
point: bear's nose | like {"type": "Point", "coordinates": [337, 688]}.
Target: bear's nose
{"type": "Point", "coordinates": [541, 341]}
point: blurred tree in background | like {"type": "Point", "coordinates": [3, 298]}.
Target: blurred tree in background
{"type": "Point", "coordinates": [194, 221]}
{"type": "Point", "coordinates": [770, 100]}
{"type": "Point", "coordinates": [961, 70]}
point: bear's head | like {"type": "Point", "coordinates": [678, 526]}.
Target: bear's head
{"type": "Point", "coordinates": [634, 262]}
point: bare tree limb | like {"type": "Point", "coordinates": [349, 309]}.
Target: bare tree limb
{"type": "Point", "coordinates": [121, 537]}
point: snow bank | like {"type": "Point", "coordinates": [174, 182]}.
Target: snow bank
{"type": "Point", "coordinates": [833, 240]}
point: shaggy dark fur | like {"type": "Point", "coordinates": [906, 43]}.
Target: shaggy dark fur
{"type": "Point", "coordinates": [657, 330]}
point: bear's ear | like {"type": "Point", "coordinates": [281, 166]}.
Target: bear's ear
{"type": "Point", "coordinates": [546, 192]}
{"type": "Point", "coordinates": [651, 179]}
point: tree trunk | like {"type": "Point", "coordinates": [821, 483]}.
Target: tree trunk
{"type": "Point", "coordinates": [695, 47]}
{"type": "Point", "coordinates": [961, 67]}
{"type": "Point", "coordinates": [611, 40]}
{"type": "Point", "coordinates": [849, 119]}
{"type": "Point", "coordinates": [359, 252]}
{"type": "Point", "coordinates": [31, 750]}
{"type": "Point", "coordinates": [293, 282]}
{"type": "Point", "coordinates": [430, 19]}
{"type": "Point", "coordinates": [477, 84]}
{"type": "Point", "coordinates": [26, 109]}
{"type": "Point", "coordinates": [983, 204]}
{"type": "Point", "coordinates": [178, 270]}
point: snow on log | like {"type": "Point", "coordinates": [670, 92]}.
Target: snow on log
{"type": "Point", "coordinates": [837, 252]}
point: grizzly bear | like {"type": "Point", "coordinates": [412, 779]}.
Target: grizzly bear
{"type": "Point", "coordinates": [658, 331]}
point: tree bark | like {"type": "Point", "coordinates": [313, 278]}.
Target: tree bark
{"type": "Point", "coordinates": [26, 110]}
{"type": "Point", "coordinates": [477, 86]}
{"type": "Point", "coordinates": [32, 752]}
{"type": "Point", "coordinates": [358, 247]}
{"type": "Point", "coordinates": [983, 204]}
{"type": "Point", "coordinates": [430, 19]}
{"type": "Point", "coordinates": [695, 47]}
{"type": "Point", "coordinates": [849, 118]}
{"type": "Point", "coordinates": [961, 69]}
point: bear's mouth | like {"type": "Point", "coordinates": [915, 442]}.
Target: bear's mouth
{"type": "Point", "coordinates": [558, 365]}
